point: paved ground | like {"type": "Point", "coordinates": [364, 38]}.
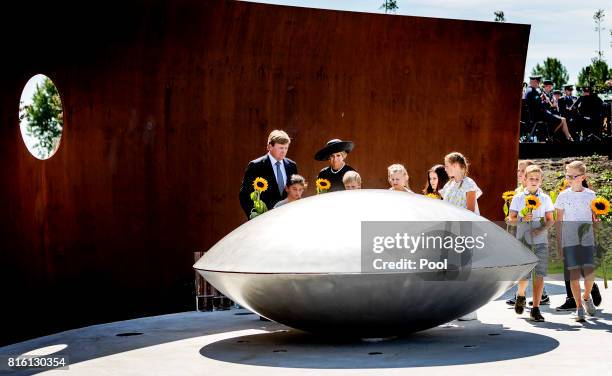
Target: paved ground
{"type": "Point", "coordinates": [237, 343]}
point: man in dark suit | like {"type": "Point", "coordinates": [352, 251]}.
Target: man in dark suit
{"type": "Point", "coordinates": [590, 118]}
{"type": "Point", "coordinates": [273, 167]}
{"type": "Point", "coordinates": [566, 101]}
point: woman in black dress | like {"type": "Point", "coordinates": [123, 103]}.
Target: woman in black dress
{"type": "Point", "coordinates": [335, 152]}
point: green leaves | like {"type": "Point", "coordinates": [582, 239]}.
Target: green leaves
{"type": "Point", "coordinates": [553, 195]}
{"type": "Point", "coordinates": [582, 230]}
{"type": "Point", "coordinates": [595, 75]}
{"type": "Point", "coordinates": [389, 6]}
{"type": "Point", "coordinates": [499, 16]}
{"type": "Point", "coordinates": [44, 118]}
{"type": "Point", "coordinates": [259, 207]}
{"type": "Point", "coordinates": [552, 69]}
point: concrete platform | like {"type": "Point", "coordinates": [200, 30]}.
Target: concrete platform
{"type": "Point", "coordinates": [237, 343]}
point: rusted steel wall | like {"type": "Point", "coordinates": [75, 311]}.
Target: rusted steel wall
{"type": "Point", "coordinates": [166, 102]}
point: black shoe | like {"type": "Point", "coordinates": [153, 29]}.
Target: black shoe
{"type": "Point", "coordinates": [519, 306]}
{"type": "Point", "coordinates": [569, 305]}
{"type": "Point", "coordinates": [535, 315]}
{"type": "Point", "coordinates": [545, 300]}
{"type": "Point", "coordinates": [261, 318]}
{"type": "Point", "coordinates": [511, 301]}
{"type": "Point", "coordinates": [596, 295]}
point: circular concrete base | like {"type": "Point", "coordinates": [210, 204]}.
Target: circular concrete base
{"type": "Point", "coordinates": [234, 343]}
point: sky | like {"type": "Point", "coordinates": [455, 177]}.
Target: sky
{"type": "Point", "coordinates": [560, 28]}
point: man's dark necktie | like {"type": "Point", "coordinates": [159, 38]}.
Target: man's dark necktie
{"type": "Point", "coordinates": [279, 178]}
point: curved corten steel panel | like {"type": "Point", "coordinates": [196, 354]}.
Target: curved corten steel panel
{"type": "Point", "coordinates": [166, 102]}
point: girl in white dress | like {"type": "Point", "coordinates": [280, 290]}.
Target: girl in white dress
{"type": "Point", "coordinates": [461, 191]}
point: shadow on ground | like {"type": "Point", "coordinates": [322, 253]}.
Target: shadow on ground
{"type": "Point", "coordinates": [441, 346]}
{"type": "Point", "coordinates": [551, 289]}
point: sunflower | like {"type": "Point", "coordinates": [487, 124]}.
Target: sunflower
{"type": "Point", "coordinates": [323, 184]}
{"type": "Point", "coordinates": [508, 195]}
{"type": "Point", "coordinates": [532, 202]}
{"type": "Point", "coordinates": [433, 195]}
{"type": "Point", "coordinates": [260, 184]}
{"type": "Point", "coordinates": [600, 206]}
{"type": "Point", "coordinates": [563, 185]}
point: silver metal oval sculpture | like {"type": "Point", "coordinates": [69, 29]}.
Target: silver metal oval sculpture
{"type": "Point", "coordinates": [351, 262]}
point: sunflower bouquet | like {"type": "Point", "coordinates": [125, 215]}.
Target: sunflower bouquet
{"type": "Point", "coordinates": [601, 207]}
{"type": "Point", "coordinates": [322, 185]}
{"type": "Point", "coordinates": [259, 207]}
{"type": "Point", "coordinates": [507, 197]}
{"type": "Point", "coordinates": [434, 196]}
{"type": "Point", "coordinates": [532, 202]}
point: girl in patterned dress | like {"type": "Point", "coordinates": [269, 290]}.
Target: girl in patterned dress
{"type": "Point", "coordinates": [460, 190]}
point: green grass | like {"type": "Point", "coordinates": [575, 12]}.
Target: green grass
{"type": "Point", "coordinates": [556, 267]}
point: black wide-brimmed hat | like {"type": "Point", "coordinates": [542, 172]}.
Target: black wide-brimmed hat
{"type": "Point", "coordinates": [333, 146]}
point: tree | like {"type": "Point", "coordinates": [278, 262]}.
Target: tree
{"type": "Point", "coordinates": [44, 118]}
{"type": "Point", "coordinates": [595, 75]}
{"type": "Point", "coordinates": [552, 69]}
{"type": "Point", "coordinates": [390, 6]}
{"type": "Point", "coordinates": [499, 16]}
{"type": "Point", "coordinates": [598, 17]}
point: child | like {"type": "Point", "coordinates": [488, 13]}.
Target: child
{"type": "Point", "coordinates": [351, 180]}
{"type": "Point", "coordinates": [573, 208]}
{"type": "Point", "coordinates": [398, 178]}
{"type": "Point", "coordinates": [520, 187]}
{"type": "Point", "coordinates": [520, 175]}
{"type": "Point", "coordinates": [570, 303]}
{"type": "Point", "coordinates": [436, 179]}
{"type": "Point", "coordinates": [460, 189]}
{"type": "Point", "coordinates": [534, 234]}
{"type": "Point", "coordinates": [295, 189]}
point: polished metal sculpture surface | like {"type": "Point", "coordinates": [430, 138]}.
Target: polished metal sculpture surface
{"type": "Point", "coordinates": [308, 265]}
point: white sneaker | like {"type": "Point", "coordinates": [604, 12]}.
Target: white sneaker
{"type": "Point", "coordinates": [469, 317]}
{"type": "Point", "coordinates": [579, 316]}
{"type": "Point", "coordinates": [589, 306]}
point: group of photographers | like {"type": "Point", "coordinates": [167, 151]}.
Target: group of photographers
{"type": "Point", "coordinates": [563, 117]}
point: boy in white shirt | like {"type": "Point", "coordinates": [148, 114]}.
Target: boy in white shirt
{"type": "Point", "coordinates": [575, 236]}
{"type": "Point", "coordinates": [534, 234]}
